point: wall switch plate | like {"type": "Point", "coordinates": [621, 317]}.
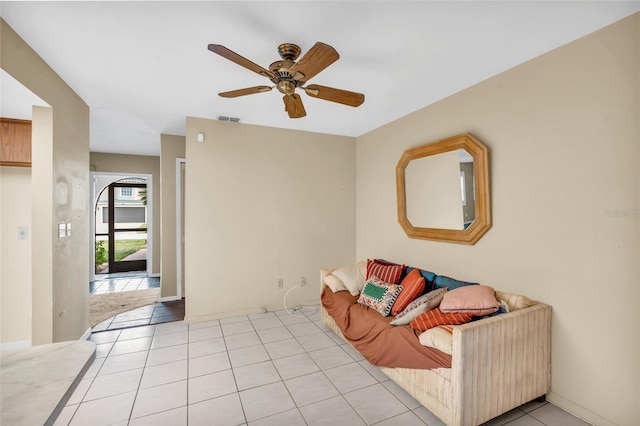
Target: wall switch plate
{"type": "Point", "coordinates": [62, 230]}
{"type": "Point", "coordinates": [68, 229]}
{"type": "Point", "coordinates": [23, 232]}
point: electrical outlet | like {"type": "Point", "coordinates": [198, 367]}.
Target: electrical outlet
{"type": "Point", "coordinates": [280, 283]}
{"type": "Point", "coordinates": [303, 280]}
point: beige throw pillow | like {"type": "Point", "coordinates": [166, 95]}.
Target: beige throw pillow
{"type": "Point", "coordinates": [334, 283]}
{"type": "Point", "coordinates": [514, 301]}
{"type": "Point", "coordinates": [352, 276]}
{"type": "Point", "coordinates": [440, 337]}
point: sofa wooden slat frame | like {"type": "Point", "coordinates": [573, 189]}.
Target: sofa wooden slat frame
{"type": "Point", "coordinates": [498, 364]}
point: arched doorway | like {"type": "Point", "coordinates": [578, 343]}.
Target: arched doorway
{"type": "Point", "coordinates": [121, 227]}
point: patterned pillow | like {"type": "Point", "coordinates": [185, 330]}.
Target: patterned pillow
{"type": "Point", "coordinates": [413, 285]}
{"type": "Point", "coordinates": [421, 304]}
{"type": "Point", "coordinates": [436, 317]}
{"type": "Point", "coordinates": [440, 337]}
{"type": "Point", "coordinates": [379, 295]}
{"type": "Point", "coordinates": [387, 272]}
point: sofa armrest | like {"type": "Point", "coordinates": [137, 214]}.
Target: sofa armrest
{"type": "Point", "coordinates": [323, 273]}
{"type": "Point", "coordinates": [500, 362]}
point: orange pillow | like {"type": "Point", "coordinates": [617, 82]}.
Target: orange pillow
{"type": "Point", "coordinates": [387, 272]}
{"type": "Point", "coordinates": [413, 286]}
{"type": "Point", "coordinates": [436, 317]}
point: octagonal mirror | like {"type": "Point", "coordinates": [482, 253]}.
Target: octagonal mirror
{"type": "Point", "coordinates": [443, 190]}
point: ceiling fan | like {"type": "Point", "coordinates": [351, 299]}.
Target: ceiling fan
{"type": "Point", "coordinates": [286, 74]}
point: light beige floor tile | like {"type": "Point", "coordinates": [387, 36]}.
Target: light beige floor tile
{"type": "Point", "coordinates": [405, 419]}
{"type": "Point", "coordinates": [105, 337]}
{"type": "Point", "coordinates": [171, 327]}
{"type": "Point", "coordinates": [331, 357]}
{"type": "Point", "coordinates": [203, 324]}
{"type": "Point", "coordinates": [237, 328]}
{"type": "Point", "coordinates": [248, 355]}
{"type": "Point", "coordinates": [66, 415]}
{"type": "Point", "coordinates": [170, 339]}
{"type": "Point", "coordinates": [165, 355]}
{"type": "Point", "coordinates": [211, 386]}
{"type": "Point", "coordinates": [124, 362]}
{"type": "Point", "coordinates": [288, 418]}
{"type": "Point", "coordinates": [265, 323]}
{"type": "Point", "coordinates": [132, 345]}
{"type": "Point", "coordinates": [175, 417]}
{"type": "Point", "coordinates": [266, 401]}
{"type": "Point", "coordinates": [367, 404]}
{"type": "Point", "coordinates": [113, 384]}
{"type": "Point", "coordinates": [160, 398]}
{"type": "Point", "coordinates": [223, 411]}
{"type": "Point", "coordinates": [283, 348]}
{"type": "Point", "coordinates": [409, 401]}
{"type": "Point", "coordinates": [294, 366]}
{"type": "Point", "coordinates": [316, 341]}
{"type": "Point", "coordinates": [232, 320]}
{"type": "Point", "coordinates": [550, 414]}
{"type": "Point", "coordinates": [274, 334]}
{"type": "Point", "coordinates": [205, 333]}
{"type": "Point", "coordinates": [208, 364]}
{"type": "Point", "coordinates": [311, 388]}
{"type": "Point", "coordinates": [237, 341]}
{"type": "Point", "coordinates": [304, 329]}
{"type": "Point", "coordinates": [331, 412]}
{"type": "Point", "coordinates": [137, 332]}
{"type": "Point", "coordinates": [164, 373]}
{"type": "Point", "coordinates": [251, 376]}
{"type": "Point", "coordinates": [207, 347]}
{"type": "Point", "coordinates": [350, 377]}
{"type": "Point", "coordinates": [80, 391]}
{"type": "Point", "coordinates": [428, 417]}
{"type": "Point", "coordinates": [105, 411]}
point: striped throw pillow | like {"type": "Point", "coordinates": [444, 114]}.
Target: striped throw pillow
{"type": "Point", "coordinates": [387, 272]}
{"type": "Point", "coordinates": [436, 317]}
{"type": "Point", "coordinates": [413, 285]}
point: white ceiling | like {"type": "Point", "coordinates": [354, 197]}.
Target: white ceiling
{"type": "Point", "coordinates": [142, 67]}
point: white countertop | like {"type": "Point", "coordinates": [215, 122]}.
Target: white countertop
{"type": "Point", "coordinates": [36, 382]}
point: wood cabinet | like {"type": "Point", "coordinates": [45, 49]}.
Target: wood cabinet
{"type": "Point", "coordinates": [15, 142]}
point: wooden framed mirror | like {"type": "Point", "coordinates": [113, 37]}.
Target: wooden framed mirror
{"type": "Point", "coordinates": [443, 190]}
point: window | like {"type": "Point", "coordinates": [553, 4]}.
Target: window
{"type": "Point", "coordinates": [126, 192]}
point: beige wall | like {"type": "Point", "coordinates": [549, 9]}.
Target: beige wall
{"type": "Point", "coordinates": [60, 176]}
{"type": "Point", "coordinates": [262, 204]}
{"type": "Point", "coordinates": [563, 136]}
{"type": "Point", "coordinates": [171, 147]}
{"type": "Point", "coordinates": [15, 255]}
{"type": "Point", "coordinates": [119, 163]}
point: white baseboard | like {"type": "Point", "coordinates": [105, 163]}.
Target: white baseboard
{"type": "Point", "coordinates": [156, 275]}
{"type": "Point", "coordinates": [86, 334]}
{"type": "Point", "coordinates": [578, 411]}
{"type": "Point", "coordinates": [21, 344]}
{"type": "Point", "coordinates": [169, 299]}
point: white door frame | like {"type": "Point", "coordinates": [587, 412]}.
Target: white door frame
{"type": "Point", "coordinates": [95, 193]}
{"type": "Point", "coordinates": [179, 265]}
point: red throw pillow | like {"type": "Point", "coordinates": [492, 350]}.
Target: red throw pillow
{"type": "Point", "coordinates": [387, 272]}
{"type": "Point", "coordinates": [436, 317]}
{"type": "Point", "coordinates": [413, 286]}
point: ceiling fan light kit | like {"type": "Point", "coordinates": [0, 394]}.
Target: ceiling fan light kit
{"type": "Point", "coordinates": [287, 75]}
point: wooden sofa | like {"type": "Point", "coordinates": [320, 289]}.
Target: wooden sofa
{"type": "Point", "coordinates": [498, 363]}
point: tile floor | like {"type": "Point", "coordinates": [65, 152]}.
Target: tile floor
{"type": "Point", "coordinates": [122, 282]}
{"type": "Point", "coordinates": [151, 314]}
{"type": "Point", "coordinates": [263, 369]}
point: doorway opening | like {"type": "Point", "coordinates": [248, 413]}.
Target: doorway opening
{"type": "Point", "coordinates": [121, 227]}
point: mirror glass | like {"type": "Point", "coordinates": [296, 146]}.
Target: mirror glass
{"type": "Point", "coordinates": [443, 190]}
{"type": "Point", "coordinates": [440, 190]}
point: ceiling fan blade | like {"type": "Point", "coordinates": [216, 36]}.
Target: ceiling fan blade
{"type": "Point", "coordinates": [293, 106]}
{"type": "Point", "coordinates": [315, 60]}
{"type": "Point", "coordinates": [335, 95]}
{"type": "Point", "coordinates": [242, 61]}
{"type": "Point", "coordinates": [247, 91]}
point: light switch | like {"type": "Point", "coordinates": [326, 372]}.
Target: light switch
{"type": "Point", "coordinates": [68, 229]}
{"type": "Point", "coordinates": [23, 232]}
{"type": "Point", "coordinates": [62, 230]}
